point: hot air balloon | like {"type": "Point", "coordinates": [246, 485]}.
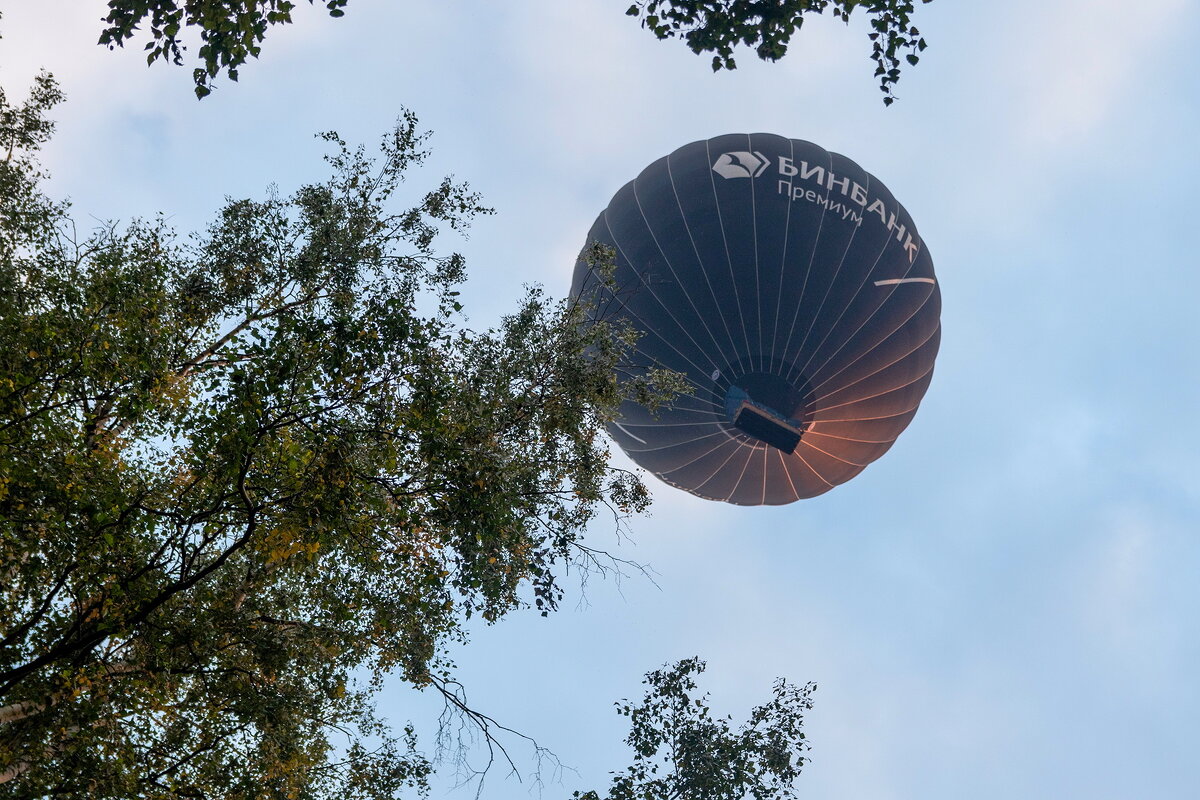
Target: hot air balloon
{"type": "Point", "coordinates": [792, 292]}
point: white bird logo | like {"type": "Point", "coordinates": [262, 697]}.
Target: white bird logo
{"type": "Point", "coordinates": [740, 164]}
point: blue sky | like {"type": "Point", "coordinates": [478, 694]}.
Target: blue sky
{"type": "Point", "coordinates": [1005, 605]}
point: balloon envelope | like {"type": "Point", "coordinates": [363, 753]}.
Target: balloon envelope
{"type": "Point", "coordinates": [791, 290]}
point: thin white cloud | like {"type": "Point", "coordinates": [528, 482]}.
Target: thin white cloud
{"type": "Point", "coordinates": [1120, 598]}
{"type": "Point", "coordinates": [1078, 59]}
{"type": "Point", "coordinates": [958, 603]}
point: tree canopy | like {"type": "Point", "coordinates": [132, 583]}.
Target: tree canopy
{"type": "Point", "coordinates": [248, 474]}
{"type": "Point", "coordinates": [767, 26]}
{"type": "Point", "coordinates": [681, 750]}
{"type": "Point", "coordinates": [231, 33]}
{"type": "Point", "coordinates": [239, 469]}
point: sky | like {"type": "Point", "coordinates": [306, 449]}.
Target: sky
{"type": "Point", "coordinates": [1005, 604]}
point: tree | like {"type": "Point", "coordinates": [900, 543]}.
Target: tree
{"type": "Point", "coordinates": [233, 32]}
{"type": "Point", "coordinates": [682, 751]}
{"type": "Point", "coordinates": [238, 469]}
{"type": "Point", "coordinates": [718, 26]}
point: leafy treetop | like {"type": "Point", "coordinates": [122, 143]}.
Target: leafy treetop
{"type": "Point", "coordinates": [719, 26]}
{"type": "Point", "coordinates": [237, 470]}
{"type": "Point", "coordinates": [233, 32]}
{"type": "Point", "coordinates": [682, 751]}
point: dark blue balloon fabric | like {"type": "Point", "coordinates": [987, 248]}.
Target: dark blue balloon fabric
{"type": "Point", "coordinates": [796, 296]}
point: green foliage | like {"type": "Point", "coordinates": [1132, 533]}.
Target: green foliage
{"type": "Point", "coordinates": [238, 469]}
{"type": "Point", "coordinates": [232, 32]}
{"type": "Point", "coordinates": [718, 26]}
{"type": "Point", "coordinates": [682, 751]}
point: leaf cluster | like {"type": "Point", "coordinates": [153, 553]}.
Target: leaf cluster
{"type": "Point", "coordinates": [231, 31]}
{"type": "Point", "coordinates": [239, 469]}
{"type": "Point", "coordinates": [682, 751]}
{"type": "Point", "coordinates": [719, 26]}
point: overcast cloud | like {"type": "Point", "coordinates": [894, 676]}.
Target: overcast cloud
{"type": "Point", "coordinates": [1004, 606]}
